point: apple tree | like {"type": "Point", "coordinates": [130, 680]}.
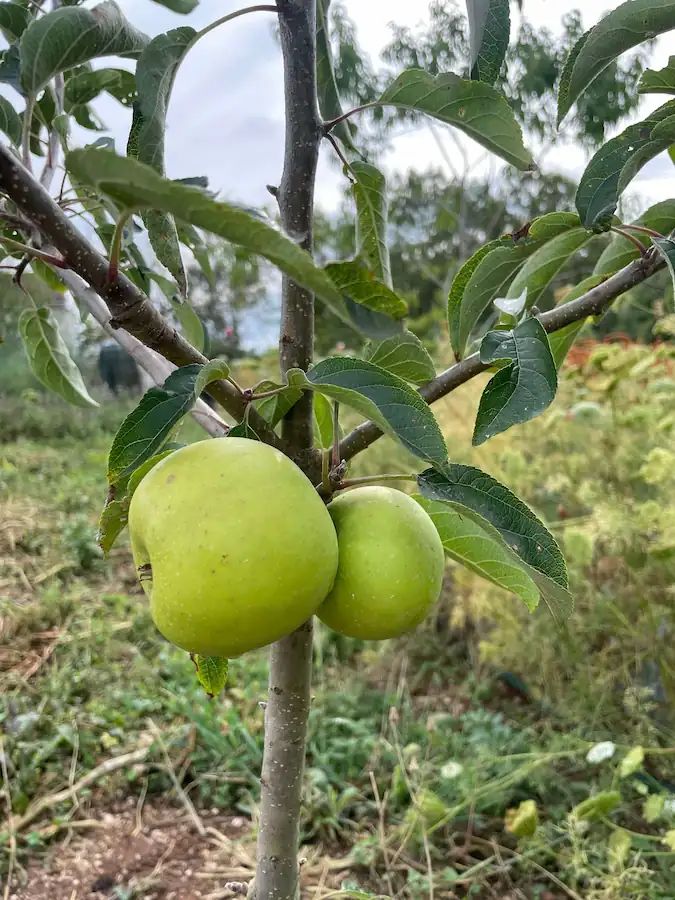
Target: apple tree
{"type": "Point", "coordinates": [52, 68]}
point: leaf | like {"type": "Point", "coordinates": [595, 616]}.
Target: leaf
{"type": "Point", "coordinates": [505, 517]}
{"type": "Point", "coordinates": [149, 426]}
{"type": "Point", "coordinates": [666, 247]}
{"type": "Point", "coordinates": [214, 370]}
{"type": "Point", "coordinates": [48, 275]}
{"type": "Point", "coordinates": [489, 29]}
{"type": "Point", "coordinates": [597, 807]}
{"type": "Point", "coordinates": [323, 421]}
{"type": "Point", "coordinates": [621, 251]}
{"type": "Point", "coordinates": [652, 809]}
{"type": "Point", "coordinates": [244, 430]}
{"type": "Point", "coordinates": [10, 68]}
{"type": "Point", "coordinates": [211, 673]}
{"type": "Point", "coordinates": [360, 285]}
{"type": "Point", "coordinates": [70, 36]}
{"type": "Point", "coordinates": [520, 391]}
{"type": "Point", "coordinates": [273, 409]}
{"type": "Point", "coordinates": [625, 27]}
{"type": "Point", "coordinates": [474, 107]}
{"type": "Point", "coordinates": [545, 263]}
{"type": "Point", "coordinates": [10, 121]}
{"type": "Point", "coordinates": [618, 848]}
{"type": "Point", "coordinates": [327, 89]}
{"type": "Point", "coordinates": [84, 86]}
{"type": "Point", "coordinates": [661, 82]}
{"type": "Point", "coordinates": [524, 820]}
{"type": "Point", "coordinates": [372, 211]}
{"type": "Point", "coordinates": [14, 19]}
{"type": "Point", "coordinates": [561, 341]}
{"type": "Point", "coordinates": [195, 242]}
{"type": "Point", "coordinates": [669, 839]}
{"type": "Point", "coordinates": [378, 395]}
{"type": "Point", "coordinates": [468, 544]}
{"type": "Point", "coordinates": [487, 273]}
{"type": "Point", "coordinates": [190, 324]}
{"type": "Point", "coordinates": [155, 75]}
{"type": "Point", "coordinates": [404, 355]}
{"type": "Point", "coordinates": [49, 358]}
{"type": "Point", "coordinates": [631, 762]}
{"type": "Point", "coordinates": [133, 185]}
{"type": "Point", "coordinates": [370, 323]}
{"type": "Point", "coordinates": [618, 161]}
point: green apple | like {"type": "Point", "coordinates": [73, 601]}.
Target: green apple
{"type": "Point", "coordinates": [391, 564]}
{"type": "Point", "coordinates": [234, 546]}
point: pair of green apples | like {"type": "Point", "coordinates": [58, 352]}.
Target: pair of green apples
{"type": "Point", "coordinates": [236, 550]}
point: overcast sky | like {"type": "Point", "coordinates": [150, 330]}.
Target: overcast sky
{"type": "Point", "coordinates": [226, 114]}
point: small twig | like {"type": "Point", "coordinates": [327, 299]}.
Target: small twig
{"type": "Point", "coordinates": [629, 237]}
{"type": "Point", "coordinates": [373, 479]}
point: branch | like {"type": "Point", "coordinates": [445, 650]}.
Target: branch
{"type": "Point", "coordinates": [129, 306]}
{"type": "Point", "coordinates": [592, 303]}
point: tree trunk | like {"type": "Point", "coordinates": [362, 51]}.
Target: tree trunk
{"type": "Point", "coordinates": [288, 699]}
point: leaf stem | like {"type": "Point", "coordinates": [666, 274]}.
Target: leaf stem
{"type": "Point", "coordinates": [328, 126]}
{"type": "Point", "coordinates": [629, 237]}
{"type": "Point", "coordinates": [265, 394]}
{"type": "Point", "coordinates": [116, 245]}
{"type": "Point", "coordinates": [261, 7]}
{"type": "Point", "coordinates": [373, 479]}
{"type": "Point", "coordinates": [31, 251]}
{"type": "Point", "coordinates": [26, 134]}
{"type": "Point", "coordinates": [335, 462]}
{"type": "Point", "coordinates": [342, 157]}
{"type": "Point", "coordinates": [643, 229]}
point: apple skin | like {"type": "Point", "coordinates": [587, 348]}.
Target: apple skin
{"type": "Point", "coordinates": [242, 549]}
{"type": "Point", "coordinates": [391, 564]}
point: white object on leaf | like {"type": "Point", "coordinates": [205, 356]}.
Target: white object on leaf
{"type": "Point", "coordinates": [600, 752]}
{"type": "Point", "coordinates": [451, 770]}
{"type": "Point", "coordinates": [512, 306]}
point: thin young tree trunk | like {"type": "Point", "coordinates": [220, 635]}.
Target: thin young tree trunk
{"type": "Point", "coordinates": [288, 699]}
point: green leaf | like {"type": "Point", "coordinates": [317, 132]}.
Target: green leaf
{"type": "Point", "coordinates": [10, 121]}
{"type": "Point", "coordinates": [468, 544]}
{"type": "Point", "coordinates": [625, 27]}
{"type": "Point", "coordinates": [327, 89]}
{"type": "Point", "coordinates": [273, 409]}
{"type": "Point", "coordinates": [561, 341]}
{"type": "Point", "coordinates": [489, 30]}
{"type": "Point", "coordinates": [155, 75]}
{"type": "Point", "coordinates": [631, 762]}
{"type": "Point", "coordinates": [195, 242]}
{"type": "Point", "coordinates": [522, 390]}
{"type": "Point", "coordinates": [10, 68]}
{"type": "Point", "coordinates": [323, 421]}
{"type": "Point", "coordinates": [505, 517]}
{"type": "Point", "coordinates": [190, 324]}
{"type": "Point", "coordinates": [14, 19]}
{"type": "Point", "coordinates": [214, 370]}
{"type": "Point", "coordinates": [618, 161]}
{"type": "Point", "coordinates": [70, 36]}
{"type": "Point", "coordinates": [523, 821]}
{"type": "Point", "coordinates": [378, 395]}
{"type": "Point", "coordinates": [372, 211]}
{"type": "Point", "coordinates": [244, 430]}
{"type": "Point", "coordinates": [472, 106]}
{"type": "Point", "coordinates": [621, 251]}
{"type": "Point", "coordinates": [49, 358]}
{"type": "Point", "coordinates": [597, 807]}
{"type": "Point", "coordinates": [485, 275]}
{"type": "Point", "coordinates": [84, 86]}
{"type": "Point", "coordinates": [48, 275]}
{"type": "Point", "coordinates": [370, 323]}
{"type": "Point", "coordinates": [132, 185]}
{"type": "Point", "coordinates": [211, 673]}
{"type": "Point", "coordinates": [661, 82]}
{"type": "Point", "coordinates": [652, 809]}
{"type": "Point", "coordinates": [149, 426]}
{"type": "Point", "coordinates": [359, 284]}
{"type": "Point", "coordinates": [666, 247]}
{"type": "Point", "coordinates": [545, 263]}
{"type": "Point", "coordinates": [404, 355]}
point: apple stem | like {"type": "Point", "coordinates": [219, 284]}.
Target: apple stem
{"type": "Point", "coordinates": [336, 435]}
{"type": "Point", "coordinates": [373, 479]}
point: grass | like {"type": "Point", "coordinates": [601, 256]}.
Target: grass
{"type": "Point", "coordinates": [419, 748]}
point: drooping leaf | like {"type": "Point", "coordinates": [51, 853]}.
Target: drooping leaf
{"type": "Point", "coordinates": [323, 421]}
{"type": "Point", "coordinates": [472, 106]}
{"type": "Point", "coordinates": [561, 341]}
{"type": "Point", "coordinates": [133, 185]}
{"type": "Point", "coordinates": [618, 161]}
{"type": "Point", "coordinates": [273, 409]}
{"type": "Point", "coordinates": [14, 19]}
{"type": "Point", "coordinates": [666, 247]}
{"type": "Point", "coordinates": [71, 36]}
{"type": "Point", "coordinates": [404, 355]}
{"type": "Point", "coordinates": [10, 121]}
{"type": "Point", "coordinates": [155, 75]}
{"type": "Point", "coordinates": [486, 275]}
{"type": "Point", "coordinates": [148, 427]}
{"type": "Point", "coordinates": [85, 86]}
{"type": "Point", "coordinates": [358, 283]}
{"type": "Point", "coordinates": [214, 370]}
{"type": "Point", "coordinates": [621, 251]}
{"type": "Point", "coordinates": [211, 670]}
{"type": "Point", "coordinates": [545, 263]}
{"type": "Point", "coordinates": [179, 6]}
{"type": "Point", "coordinates": [378, 395]}
{"type": "Point", "coordinates": [504, 516]}
{"type": "Point", "coordinates": [468, 544]}
{"type": "Point", "coordinates": [190, 324]}
{"type": "Point", "coordinates": [370, 194]}
{"type": "Point", "coordinates": [628, 25]}
{"type": "Point", "coordinates": [369, 322]}
{"type": "Point", "coordinates": [49, 359]}
{"type": "Point", "coordinates": [327, 89]}
{"type": "Point", "coordinates": [195, 242]}
{"type": "Point", "coordinates": [10, 68]}
{"type": "Point", "coordinates": [489, 30]}
{"type": "Point", "coordinates": [661, 82]}
{"type": "Point", "coordinates": [522, 390]}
